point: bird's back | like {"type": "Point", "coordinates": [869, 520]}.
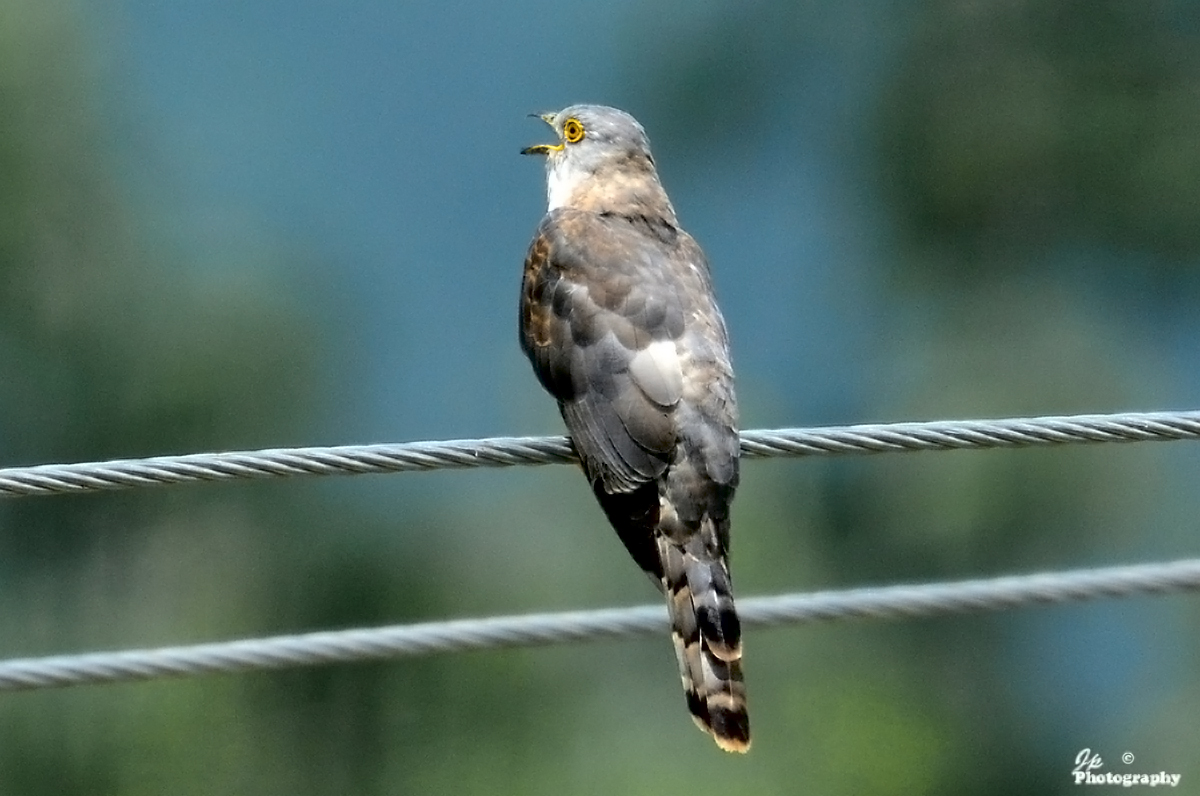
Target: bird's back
{"type": "Point", "coordinates": [620, 323]}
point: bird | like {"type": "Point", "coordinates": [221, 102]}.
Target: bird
{"type": "Point", "coordinates": [619, 321]}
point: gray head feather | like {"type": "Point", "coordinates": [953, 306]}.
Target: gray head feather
{"type": "Point", "coordinates": [608, 169]}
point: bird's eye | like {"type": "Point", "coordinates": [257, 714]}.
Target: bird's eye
{"type": "Point", "coordinates": [572, 131]}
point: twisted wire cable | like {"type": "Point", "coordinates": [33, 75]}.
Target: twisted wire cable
{"type": "Point", "coordinates": [512, 451]}
{"type": "Point", "coordinates": [311, 649]}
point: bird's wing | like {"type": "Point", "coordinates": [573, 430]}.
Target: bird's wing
{"type": "Point", "coordinates": [601, 317]}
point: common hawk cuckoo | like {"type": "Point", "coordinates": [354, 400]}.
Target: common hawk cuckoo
{"type": "Point", "coordinates": [619, 321]}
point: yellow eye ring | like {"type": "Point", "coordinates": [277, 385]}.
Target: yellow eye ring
{"type": "Point", "coordinates": [572, 131]}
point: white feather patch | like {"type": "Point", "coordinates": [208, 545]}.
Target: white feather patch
{"type": "Point", "coordinates": [656, 369]}
{"type": "Point", "coordinates": [561, 180]}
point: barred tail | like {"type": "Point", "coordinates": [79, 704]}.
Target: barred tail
{"type": "Point", "coordinates": [707, 637]}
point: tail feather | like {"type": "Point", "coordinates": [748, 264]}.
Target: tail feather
{"type": "Point", "coordinates": [707, 639]}
{"type": "Point", "coordinates": [712, 601]}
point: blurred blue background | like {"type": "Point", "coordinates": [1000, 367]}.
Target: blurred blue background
{"type": "Point", "coordinates": [235, 225]}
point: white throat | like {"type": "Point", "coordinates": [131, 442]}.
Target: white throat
{"type": "Point", "coordinates": [561, 181]}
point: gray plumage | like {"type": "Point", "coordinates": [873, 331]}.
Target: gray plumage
{"type": "Point", "coordinates": [619, 321]}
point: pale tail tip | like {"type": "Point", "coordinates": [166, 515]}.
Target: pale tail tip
{"type": "Point", "coordinates": [729, 743]}
{"type": "Point", "coordinates": [739, 745]}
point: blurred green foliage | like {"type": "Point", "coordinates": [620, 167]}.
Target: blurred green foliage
{"type": "Point", "coordinates": [1026, 123]}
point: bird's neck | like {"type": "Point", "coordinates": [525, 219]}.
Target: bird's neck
{"type": "Point", "coordinates": [633, 192]}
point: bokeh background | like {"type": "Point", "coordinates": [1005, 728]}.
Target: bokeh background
{"type": "Point", "coordinates": [247, 224]}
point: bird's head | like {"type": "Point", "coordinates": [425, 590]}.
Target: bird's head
{"type": "Point", "coordinates": [598, 149]}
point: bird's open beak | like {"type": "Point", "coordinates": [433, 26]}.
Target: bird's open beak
{"type": "Point", "coordinates": [543, 149]}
